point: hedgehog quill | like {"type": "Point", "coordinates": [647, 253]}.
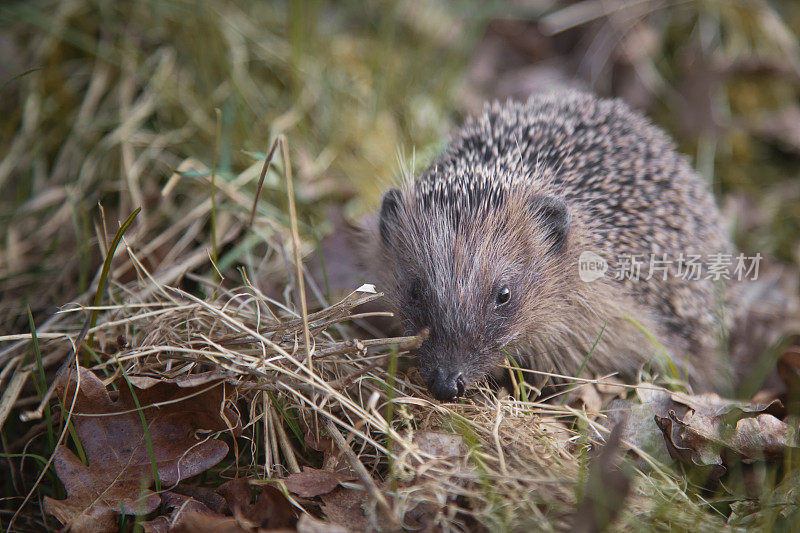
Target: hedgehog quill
{"type": "Point", "coordinates": [483, 248]}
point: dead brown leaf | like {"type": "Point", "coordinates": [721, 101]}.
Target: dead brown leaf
{"type": "Point", "coordinates": [203, 523]}
{"type": "Point", "coordinates": [699, 429]}
{"type": "Point", "coordinates": [180, 507]}
{"type": "Point", "coordinates": [309, 524]}
{"type": "Point", "coordinates": [310, 482]}
{"type": "Point", "coordinates": [712, 468]}
{"type": "Point", "coordinates": [205, 495]}
{"type": "Point", "coordinates": [120, 473]}
{"type": "Point", "coordinates": [713, 405]}
{"type": "Point", "coordinates": [710, 439]}
{"type": "Point", "coordinates": [715, 432]}
{"type": "Point", "coordinates": [258, 504]}
{"type": "Point", "coordinates": [343, 506]}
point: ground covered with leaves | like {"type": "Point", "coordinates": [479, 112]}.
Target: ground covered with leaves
{"type": "Point", "coordinates": [171, 360]}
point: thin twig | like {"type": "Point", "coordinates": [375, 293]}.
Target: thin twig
{"type": "Point", "coordinates": [287, 170]}
{"type": "Point", "coordinates": [286, 446]}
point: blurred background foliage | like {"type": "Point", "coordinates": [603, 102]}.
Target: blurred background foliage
{"type": "Point", "coordinates": [126, 103]}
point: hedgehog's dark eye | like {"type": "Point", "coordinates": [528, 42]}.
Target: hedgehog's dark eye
{"type": "Point", "coordinates": [503, 296]}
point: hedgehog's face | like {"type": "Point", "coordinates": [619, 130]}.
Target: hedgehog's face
{"type": "Point", "coordinates": [475, 280]}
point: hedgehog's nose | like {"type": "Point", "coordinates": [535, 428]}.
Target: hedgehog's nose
{"type": "Point", "coordinates": [446, 386]}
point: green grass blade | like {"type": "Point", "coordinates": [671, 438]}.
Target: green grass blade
{"type": "Point", "coordinates": [588, 355]}
{"type": "Point", "coordinates": [75, 439]}
{"type": "Point", "coordinates": [661, 348]}
{"type": "Point", "coordinates": [217, 141]}
{"type": "Point", "coordinates": [41, 382]}
{"type": "Point", "coordinates": [104, 274]}
{"type": "Point", "coordinates": [586, 360]}
{"type": "Point", "coordinates": [291, 421]}
{"type": "Point", "coordinates": [18, 76]}
{"type": "Point", "coordinates": [523, 391]}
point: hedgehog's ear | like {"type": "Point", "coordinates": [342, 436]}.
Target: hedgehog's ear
{"type": "Point", "coordinates": [552, 213]}
{"type": "Point", "coordinates": [388, 215]}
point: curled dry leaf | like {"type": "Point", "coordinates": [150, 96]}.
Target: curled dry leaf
{"type": "Point", "coordinates": [709, 441]}
{"type": "Point", "coordinates": [120, 473]}
{"type": "Point", "coordinates": [715, 431]}
{"type": "Point", "coordinates": [311, 482]}
{"type": "Point", "coordinates": [712, 467]}
{"type": "Point", "coordinates": [702, 430]}
{"type": "Point", "coordinates": [713, 405]}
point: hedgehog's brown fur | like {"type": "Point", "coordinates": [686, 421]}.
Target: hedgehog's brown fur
{"type": "Point", "coordinates": [489, 213]}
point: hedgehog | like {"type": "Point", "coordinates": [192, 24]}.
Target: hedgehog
{"type": "Point", "coordinates": [483, 251]}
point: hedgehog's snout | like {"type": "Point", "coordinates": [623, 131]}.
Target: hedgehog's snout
{"type": "Point", "coordinates": [446, 385]}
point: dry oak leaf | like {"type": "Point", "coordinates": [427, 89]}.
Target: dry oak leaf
{"type": "Point", "coordinates": [180, 506]}
{"type": "Point", "coordinates": [311, 482]}
{"type": "Point", "coordinates": [309, 524]}
{"type": "Point", "coordinates": [639, 429]}
{"type": "Point", "coordinates": [345, 506]}
{"type": "Point", "coordinates": [269, 509]}
{"type": "Point", "coordinates": [205, 523]}
{"type": "Point", "coordinates": [711, 441]}
{"type": "Point", "coordinates": [690, 424]}
{"type": "Point", "coordinates": [119, 474]}
{"type": "Point", "coordinates": [669, 425]}
{"type": "Point", "coordinates": [714, 432]}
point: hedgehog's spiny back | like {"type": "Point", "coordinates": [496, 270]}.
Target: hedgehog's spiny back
{"type": "Point", "coordinates": [612, 164]}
